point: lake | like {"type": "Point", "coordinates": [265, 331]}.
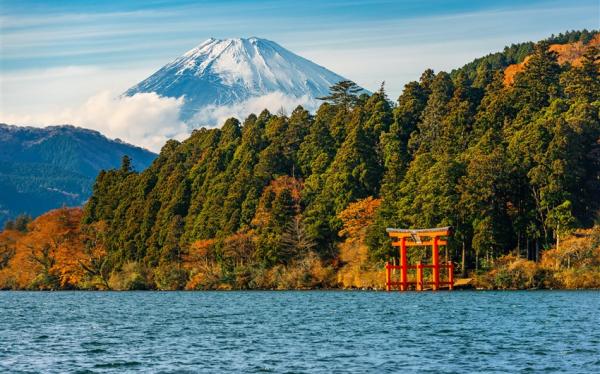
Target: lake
{"type": "Point", "coordinates": [300, 331]}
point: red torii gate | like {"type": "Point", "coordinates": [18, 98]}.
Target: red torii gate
{"type": "Point", "coordinates": [412, 238]}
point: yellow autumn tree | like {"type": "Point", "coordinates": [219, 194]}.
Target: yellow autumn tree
{"type": "Point", "coordinates": [356, 270]}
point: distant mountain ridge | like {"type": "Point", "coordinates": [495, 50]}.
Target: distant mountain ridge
{"type": "Point", "coordinates": [229, 71]}
{"type": "Point", "coordinates": [45, 168]}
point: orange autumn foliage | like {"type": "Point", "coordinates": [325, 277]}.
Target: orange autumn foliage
{"type": "Point", "coordinates": [358, 271]}
{"type": "Point", "coordinates": [567, 53]}
{"type": "Point", "coordinates": [200, 252]}
{"type": "Point", "coordinates": [239, 247]}
{"type": "Point", "coordinates": [573, 52]}
{"type": "Point", "coordinates": [52, 254]}
{"type": "Point", "coordinates": [275, 188]}
{"type": "Point", "coordinates": [199, 261]}
{"type": "Point", "coordinates": [8, 240]}
{"type": "Point", "coordinates": [357, 217]}
{"type": "Point", "coordinates": [511, 71]}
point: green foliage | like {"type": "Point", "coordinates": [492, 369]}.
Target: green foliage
{"type": "Point", "coordinates": [516, 53]}
{"type": "Point", "coordinates": [19, 223]}
{"type": "Point", "coordinates": [572, 36]}
{"type": "Point", "coordinates": [344, 94]}
{"type": "Point", "coordinates": [507, 167]}
{"type": "Point", "coordinates": [170, 276]}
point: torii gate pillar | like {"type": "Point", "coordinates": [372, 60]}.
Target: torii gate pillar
{"type": "Point", "coordinates": [416, 237]}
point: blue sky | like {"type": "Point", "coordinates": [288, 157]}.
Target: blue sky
{"type": "Point", "coordinates": [45, 34]}
{"type": "Point", "coordinates": [56, 54]}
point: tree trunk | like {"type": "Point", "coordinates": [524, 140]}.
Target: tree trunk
{"type": "Point", "coordinates": [464, 255]}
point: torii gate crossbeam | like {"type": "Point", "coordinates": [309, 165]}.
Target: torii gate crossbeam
{"type": "Point", "coordinates": [419, 237]}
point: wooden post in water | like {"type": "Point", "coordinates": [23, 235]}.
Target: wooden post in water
{"type": "Point", "coordinates": [435, 258]}
{"type": "Point", "coordinates": [388, 276]}
{"type": "Point", "coordinates": [403, 266]}
{"type": "Point", "coordinates": [450, 275]}
{"type": "Point", "coordinates": [419, 276]}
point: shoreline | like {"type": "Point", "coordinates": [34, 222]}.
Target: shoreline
{"type": "Point", "coordinates": [357, 290]}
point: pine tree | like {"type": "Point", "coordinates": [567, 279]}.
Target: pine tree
{"type": "Point", "coordinates": [538, 84]}
{"type": "Point", "coordinates": [429, 129]}
{"type": "Point", "coordinates": [125, 164]}
{"type": "Point", "coordinates": [343, 93]}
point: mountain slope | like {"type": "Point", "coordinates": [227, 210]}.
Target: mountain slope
{"type": "Point", "coordinates": [230, 71]}
{"type": "Point", "coordinates": [45, 168]}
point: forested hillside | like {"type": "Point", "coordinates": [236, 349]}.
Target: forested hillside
{"type": "Point", "coordinates": [266, 202]}
{"type": "Point", "coordinates": [45, 168]}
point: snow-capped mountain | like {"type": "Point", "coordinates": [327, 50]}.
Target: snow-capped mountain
{"type": "Point", "coordinates": [228, 72]}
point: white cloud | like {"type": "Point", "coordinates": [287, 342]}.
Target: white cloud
{"type": "Point", "coordinates": [38, 97]}
{"type": "Point", "coordinates": [274, 102]}
{"type": "Point", "coordinates": [149, 120]}
{"type": "Point", "coordinates": [144, 119]}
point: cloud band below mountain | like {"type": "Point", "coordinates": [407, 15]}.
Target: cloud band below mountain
{"type": "Point", "coordinates": [149, 120]}
{"type": "Point", "coordinates": [214, 115]}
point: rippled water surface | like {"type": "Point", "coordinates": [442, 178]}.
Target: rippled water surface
{"type": "Point", "coordinates": [318, 331]}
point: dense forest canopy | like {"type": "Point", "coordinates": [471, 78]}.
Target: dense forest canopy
{"type": "Point", "coordinates": [511, 167]}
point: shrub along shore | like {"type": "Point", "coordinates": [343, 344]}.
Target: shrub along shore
{"type": "Point", "coordinates": [34, 257]}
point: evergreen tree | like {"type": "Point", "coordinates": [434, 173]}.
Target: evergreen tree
{"type": "Point", "coordinates": [538, 84]}
{"type": "Point", "coordinates": [430, 127]}
{"type": "Point", "coordinates": [343, 93]}
{"type": "Point", "coordinates": [125, 164]}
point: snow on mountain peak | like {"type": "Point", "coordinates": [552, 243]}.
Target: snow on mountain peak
{"type": "Point", "coordinates": [226, 72]}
